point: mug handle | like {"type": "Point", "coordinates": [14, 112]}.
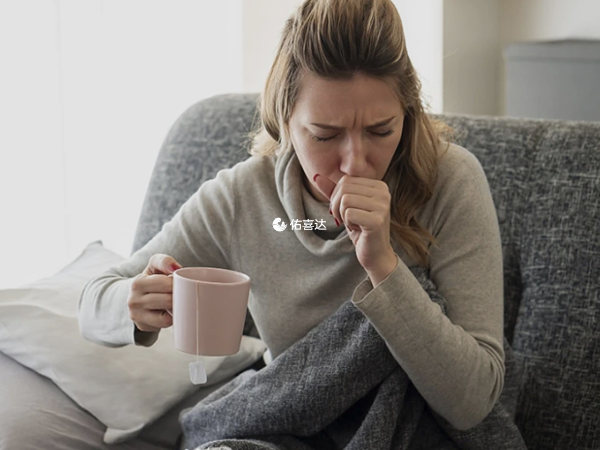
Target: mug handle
{"type": "Point", "coordinates": [169, 310]}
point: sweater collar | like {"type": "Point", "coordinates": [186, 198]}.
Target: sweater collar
{"type": "Point", "coordinates": [300, 205]}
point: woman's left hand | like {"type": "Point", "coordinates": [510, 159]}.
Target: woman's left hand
{"type": "Point", "coordinates": [363, 205]}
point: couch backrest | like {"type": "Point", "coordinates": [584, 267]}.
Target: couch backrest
{"type": "Point", "coordinates": [545, 181]}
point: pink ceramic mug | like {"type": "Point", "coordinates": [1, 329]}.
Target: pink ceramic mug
{"type": "Point", "coordinates": [215, 328]}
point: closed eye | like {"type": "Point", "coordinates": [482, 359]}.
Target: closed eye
{"type": "Point", "coordinates": [320, 139]}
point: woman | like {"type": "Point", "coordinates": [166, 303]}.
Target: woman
{"type": "Point", "coordinates": [343, 138]}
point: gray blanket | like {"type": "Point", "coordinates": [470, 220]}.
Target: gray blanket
{"type": "Point", "coordinates": [339, 387]}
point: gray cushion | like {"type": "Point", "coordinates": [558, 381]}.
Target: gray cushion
{"type": "Point", "coordinates": [545, 180]}
{"type": "Point", "coordinates": [558, 330]}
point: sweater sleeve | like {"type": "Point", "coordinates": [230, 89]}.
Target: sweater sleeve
{"type": "Point", "coordinates": [197, 235]}
{"type": "Point", "coordinates": [456, 362]}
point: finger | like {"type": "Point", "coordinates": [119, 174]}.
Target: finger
{"type": "Point", "coordinates": [363, 220]}
{"type": "Point", "coordinates": [155, 301]}
{"type": "Point", "coordinates": [156, 319]}
{"type": "Point", "coordinates": [324, 184]}
{"type": "Point", "coordinates": [157, 283]}
{"type": "Point", "coordinates": [356, 202]}
{"type": "Point", "coordinates": [348, 180]}
{"type": "Point", "coordinates": [162, 264]}
{"type": "Point", "coordinates": [367, 192]}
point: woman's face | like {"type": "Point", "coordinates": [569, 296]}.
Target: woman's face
{"type": "Point", "coordinates": [345, 127]}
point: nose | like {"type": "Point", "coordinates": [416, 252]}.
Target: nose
{"type": "Point", "coordinates": [354, 156]}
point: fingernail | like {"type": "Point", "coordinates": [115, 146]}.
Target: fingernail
{"type": "Point", "coordinates": [330, 211]}
{"type": "Point", "coordinates": [315, 177]}
{"type": "Point", "coordinates": [336, 222]}
{"type": "Point", "coordinates": [175, 267]}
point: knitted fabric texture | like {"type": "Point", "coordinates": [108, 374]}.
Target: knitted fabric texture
{"type": "Point", "coordinates": [339, 387]}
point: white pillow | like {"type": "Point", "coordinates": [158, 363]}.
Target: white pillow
{"type": "Point", "coordinates": [125, 388]}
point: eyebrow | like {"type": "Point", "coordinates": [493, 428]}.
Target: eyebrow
{"type": "Point", "coordinates": [332, 127]}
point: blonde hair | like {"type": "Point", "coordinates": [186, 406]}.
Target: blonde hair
{"type": "Point", "coordinates": [335, 39]}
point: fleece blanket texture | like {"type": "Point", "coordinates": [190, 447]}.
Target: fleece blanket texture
{"type": "Point", "coordinates": [339, 387]}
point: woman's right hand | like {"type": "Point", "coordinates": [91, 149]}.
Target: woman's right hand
{"type": "Point", "coordinates": [151, 294]}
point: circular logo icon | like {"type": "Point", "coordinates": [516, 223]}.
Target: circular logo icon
{"type": "Point", "coordinates": [279, 226]}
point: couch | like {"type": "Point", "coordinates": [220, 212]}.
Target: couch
{"type": "Point", "coordinates": [545, 181]}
